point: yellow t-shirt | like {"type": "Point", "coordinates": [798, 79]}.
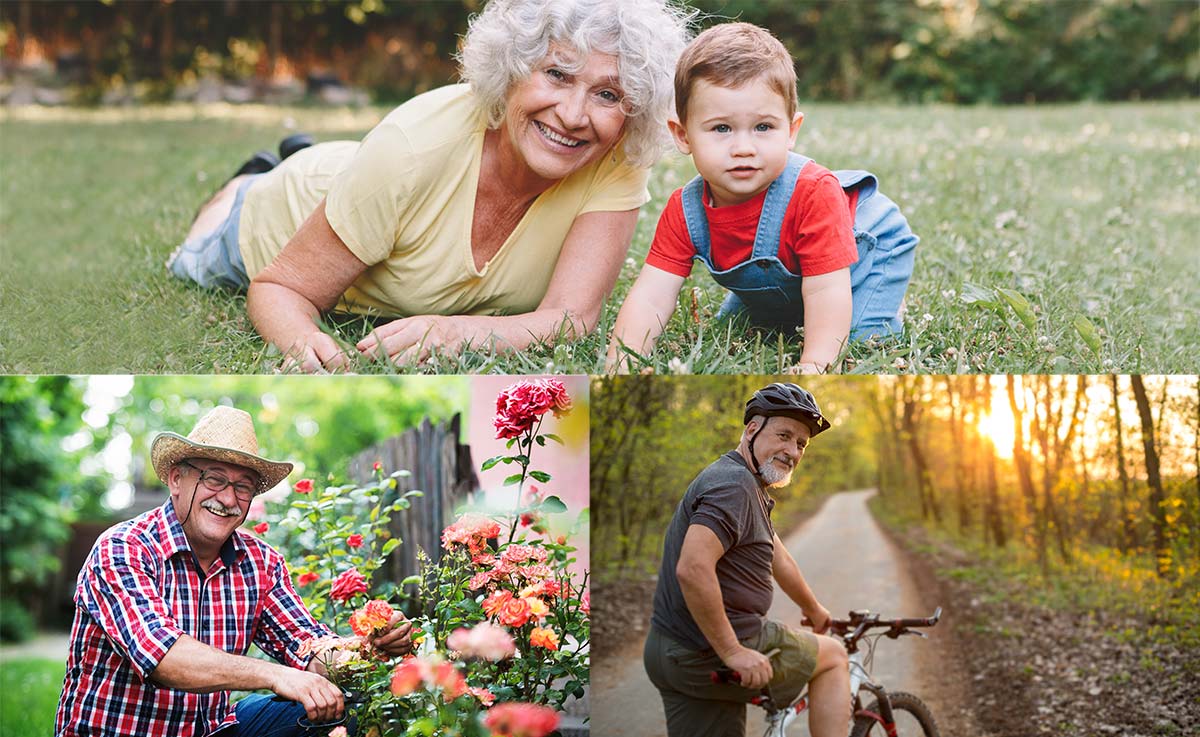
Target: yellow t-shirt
{"type": "Point", "coordinates": [403, 201]}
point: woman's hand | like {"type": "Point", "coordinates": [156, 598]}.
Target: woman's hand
{"type": "Point", "coordinates": [317, 353]}
{"type": "Point", "coordinates": [412, 340]}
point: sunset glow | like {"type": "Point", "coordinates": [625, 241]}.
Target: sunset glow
{"type": "Point", "coordinates": [997, 425]}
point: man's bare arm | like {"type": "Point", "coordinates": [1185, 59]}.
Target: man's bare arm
{"type": "Point", "coordinates": [787, 573]}
{"type": "Point", "coordinates": [191, 665]}
{"type": "Point", "coordinates": [697, 574]}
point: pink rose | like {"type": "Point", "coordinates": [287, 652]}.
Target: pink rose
{"type": "Point", "coordinates": [485, 640]}
{"type": "Point", "coordinates": [514, 719]}
{"type": "Point", "coordinates": [347, 585]}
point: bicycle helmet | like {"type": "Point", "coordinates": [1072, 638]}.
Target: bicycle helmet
{"type": "Point", "coordinates": [786, 400]}
{"type": "Point", "coordinates": [783, 400]}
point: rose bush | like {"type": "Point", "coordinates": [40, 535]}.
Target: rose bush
{"type": "Point", "coordinates": [500, 630]}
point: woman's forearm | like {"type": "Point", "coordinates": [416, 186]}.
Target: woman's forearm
{"type": "Point", "coordinates": [280, 315]}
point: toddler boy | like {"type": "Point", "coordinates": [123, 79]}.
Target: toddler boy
{"type": "Point", "coordinates": [794, 243]}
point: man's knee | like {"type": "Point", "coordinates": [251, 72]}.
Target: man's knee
{"type": "Point", "coordinates": [831, 655]}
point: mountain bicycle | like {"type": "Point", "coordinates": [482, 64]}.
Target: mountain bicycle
{"type": "Point", "coordinates": [891, 714]}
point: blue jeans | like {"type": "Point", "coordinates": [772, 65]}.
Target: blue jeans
{"type": "Point", "coordinates": [267, 716]}
{"type": "Point", "coordinates": [214, 259]}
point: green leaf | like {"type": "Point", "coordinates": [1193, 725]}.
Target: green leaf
{"type": "Point", "coordinates": [552, 436]}
{"type": "Point", "coordinates": [1088, 332]}
{"type": "Point", "coordinates": [514, 479]}
{"type": "Point", "coordinates": [491, 462]}
{"type": "Point", "coordinates": [413, 579]}
{"type": "Point", "coordinates": [1019, 305]}
{"type": "Point", "coordinates": [552, 504]}
{"type": "Point", "coordinates": [975, 294]}
{"type": "Point", "coordinates": [540, 476]}
{"type": "Point", "coordinates": [414, 492]}
{"type": "Point", "coordinates": [390, 545]}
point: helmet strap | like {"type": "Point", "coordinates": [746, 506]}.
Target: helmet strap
{"type": "Point", "coordinates": [750, 447]}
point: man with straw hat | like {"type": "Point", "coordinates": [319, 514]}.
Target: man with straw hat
{"type": "Point", "coordinates": [169, 602]}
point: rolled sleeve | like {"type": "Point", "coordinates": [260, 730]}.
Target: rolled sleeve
{"type": "Point", "coordinates": [724, 511]}
{"type": "Point", "coordinates": [119, 591]}
{"type": "Point", "coordinates": [285, 622]}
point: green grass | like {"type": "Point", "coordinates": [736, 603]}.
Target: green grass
{"type": "Point", "coordinates": [29, 691]}
{"type": "Point", "coordinates": [1054, 239]}
{"type": "Point", "coordinates": [1097, 579]}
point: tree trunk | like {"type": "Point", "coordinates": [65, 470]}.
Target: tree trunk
{"type": "Point", "coordinates": [1129, 534]}
{"type": "Point", "coordinates": [1025, 474]}
{"type": "Point", "coordinates": [1161, 554]}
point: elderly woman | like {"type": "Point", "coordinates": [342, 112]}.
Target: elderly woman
{"type": "Point", "coordinates": [495, 213]}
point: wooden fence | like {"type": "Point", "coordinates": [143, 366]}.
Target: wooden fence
{"type": "Point", "coordinates": [441, 467]}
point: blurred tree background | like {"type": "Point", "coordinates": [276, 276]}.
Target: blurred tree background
{"type": "Point", "coordinates": [955, 51]}
{"type": "Point", "coordinates": [1086, 486]}
{"type": "Point", "coordinates": [652, 435]}
{"type": "Point", "coordinates": [74, 452]}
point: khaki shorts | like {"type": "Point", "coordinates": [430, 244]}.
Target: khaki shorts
{"type": "Point", "coordinates": [697, 707]}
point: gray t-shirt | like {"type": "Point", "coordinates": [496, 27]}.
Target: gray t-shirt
{"type": "Point", "coordinates": [727, 499]}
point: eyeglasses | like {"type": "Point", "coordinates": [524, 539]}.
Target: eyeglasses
{"type": "Point", "coordinates": [214, 480]}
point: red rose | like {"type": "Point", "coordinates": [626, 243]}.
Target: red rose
{"type": "Point", "coordinates": [261, 527]}
{"type": "Point", "coordinates": [303, 486]}
{"type": "Point", "coordinates": [347, 585]}
{"type": "Point", "coordinates": [307, 578]}
{"type": "Point", "coordinates": [377, 467]}
{"type": "Point", "coordinates": [354, 541]}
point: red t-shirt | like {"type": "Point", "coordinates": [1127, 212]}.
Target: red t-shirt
{"type": "Point", "coordinates": [817, 236]}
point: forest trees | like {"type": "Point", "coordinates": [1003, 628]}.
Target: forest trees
{"type": "Point", "coordinates": [1058, 465]}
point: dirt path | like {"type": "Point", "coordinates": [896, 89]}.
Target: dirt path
{"type": "Point", "coordinates": [851, 564]}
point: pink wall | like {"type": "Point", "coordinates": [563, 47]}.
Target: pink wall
{"type": "Point", "coordinates": [567, 464]}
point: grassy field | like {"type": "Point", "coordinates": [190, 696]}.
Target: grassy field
{"type": "Point", "coordinates": [1054, 239]}
{"type": "Point", "coordinates": [29, 691]}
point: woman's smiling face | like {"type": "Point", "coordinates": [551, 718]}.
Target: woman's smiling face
{"type": "Point", "coordinates": [557, 122]}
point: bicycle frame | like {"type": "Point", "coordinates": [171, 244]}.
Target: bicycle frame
{"type": "Point", "coordinates": [851, 632]}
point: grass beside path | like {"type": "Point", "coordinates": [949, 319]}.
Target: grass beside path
{"type": "Point", "coordinates": [29, 691]}
{"type": "Point", "coordinates": [1054, 239]}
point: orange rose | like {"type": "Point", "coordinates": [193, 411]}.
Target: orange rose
{"type": "Point", "coordinates": [544, 637]}
{"type": "Point", "coordinates": [514, 612]}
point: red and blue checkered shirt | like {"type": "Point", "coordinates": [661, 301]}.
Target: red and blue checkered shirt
{"type": "Point", "coordinates": [139, 591]}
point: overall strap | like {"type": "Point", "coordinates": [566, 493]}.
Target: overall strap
{"type": "Point", "coordinates": [692, 199]}
{"type": "Point", "coordinates": [779, 194]}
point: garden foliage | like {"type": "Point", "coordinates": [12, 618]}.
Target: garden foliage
{"type": "Point", "coordinates": [500, 625]}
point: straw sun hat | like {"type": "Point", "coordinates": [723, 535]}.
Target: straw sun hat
{"type": "Point", "coordinates": [226, 435]}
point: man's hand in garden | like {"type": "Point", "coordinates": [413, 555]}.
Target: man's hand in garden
{"type": "Point", "coordinates": [396, 640]}
{"type": "Point", "coordinates": [321, 699]}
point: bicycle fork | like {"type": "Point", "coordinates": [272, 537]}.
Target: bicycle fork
{"type": "Point", "coordinates": [885, 718]}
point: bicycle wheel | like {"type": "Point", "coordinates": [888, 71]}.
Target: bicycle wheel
{"type": "Point", "coordinates": [913, 718]}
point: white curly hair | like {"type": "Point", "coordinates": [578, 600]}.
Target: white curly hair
{"type": "Point", "coordinates": [510, 38]}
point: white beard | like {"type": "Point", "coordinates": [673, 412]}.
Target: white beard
{"type": "Point", "coordinates": [773, 475]}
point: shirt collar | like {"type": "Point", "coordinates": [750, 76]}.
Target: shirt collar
{"type": "Point", "coordinates": [174, 539]}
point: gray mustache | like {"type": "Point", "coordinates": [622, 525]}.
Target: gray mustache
{"type": "Point", "coordinates": [219, 508]}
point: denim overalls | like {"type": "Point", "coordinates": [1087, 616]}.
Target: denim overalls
{"type": "Point", "coordinates": [770, 294]}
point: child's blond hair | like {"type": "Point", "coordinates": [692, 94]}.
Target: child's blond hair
{"type": "Point", "coordinates": [731, 55]}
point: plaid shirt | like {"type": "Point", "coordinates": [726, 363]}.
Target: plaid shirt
{"type": "Point", "coordinates": [139, 591]}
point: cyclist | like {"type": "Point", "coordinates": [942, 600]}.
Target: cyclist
{"type": "Point", "coordinates": [720, 555]}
